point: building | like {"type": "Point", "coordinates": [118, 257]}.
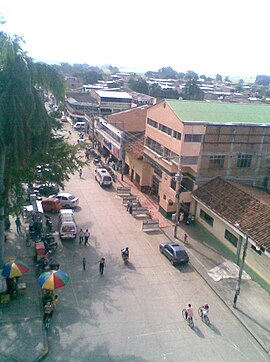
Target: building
{"type": "Point", "coordinates": [209, 140]}
{"type": "Point", "coordinates": [112, 101]}
{"type": "Point", "coordinates": [232, 211]}
{"type": "Point", "coordinates": [121, 136]}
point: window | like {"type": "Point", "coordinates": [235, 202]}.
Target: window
{"type": "Point", "coordinates": [207, 218]}
{"type": "Point", "coordinates": [173, 183]}
{"type": "Point", "coordinates": [244, 160]}
{"type": "Point", "coordinates": [152, 123]}
{"type": "Point", "coordinates": [193, 138]}
{"type": "Point", "coordinates": [216, 161]}
{"type": "Point", "coordinates": [232, 238]}
{"type": "Point", "coordinates": [189, 160]}
{"type": "Point", "coordinates": [165, 129]}
{"type": "Point", "coordinates": [177, 135]}
{"type": "Point", "coordinates": [153, 145]}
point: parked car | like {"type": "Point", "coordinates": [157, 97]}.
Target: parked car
{"type": "Point", "coordinates": [104, 179]}
{"type": "Point", "coordinates": [67, 229]}
{"type": "Point", "coordinates": [100, 169]}
{"type": "Point", "coordinates": [174, 252]}
{"type": "Point", "coordinates": [46, 189]}
{"type": "Point", "coordinates": [66, 199]}
{"type": "Point", "coordinates": [79, 125]}
{"type": "Point", "coordinates": [51, 205]}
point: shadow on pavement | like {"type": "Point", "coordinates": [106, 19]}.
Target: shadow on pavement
{"type": "Point", "coordinates": [214, 329]}
{"type": "Point", "coordinates": [253, 320]}
{"type": "Point", "coordinates": [198, 332]}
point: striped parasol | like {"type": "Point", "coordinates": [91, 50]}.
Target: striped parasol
{"type": "Point", "coordinates": [15, 268]}
{"type": "Point", "coordinates": [53, 279]}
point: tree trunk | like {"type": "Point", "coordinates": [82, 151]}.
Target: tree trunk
{"type": "Point", "coordinates": [2, 208]}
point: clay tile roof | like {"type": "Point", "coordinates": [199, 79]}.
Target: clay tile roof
{"type": "Point", "coordinates": [235, 202]}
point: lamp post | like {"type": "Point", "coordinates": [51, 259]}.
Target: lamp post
{"type": "Point", "coordinates": [237, 289]}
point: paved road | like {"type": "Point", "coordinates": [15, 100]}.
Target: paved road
{"type": "Point", "coordinates": [133, 313]}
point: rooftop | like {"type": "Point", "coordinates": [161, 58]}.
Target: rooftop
{"type": "Point", "coordinates": [220, 113]}
{"type": "Point", "coordinates": [239, 203]}
{"type": "Point", "coordinates": [130, 120]}
{"type": "Point", "coordinates": [113, 94]}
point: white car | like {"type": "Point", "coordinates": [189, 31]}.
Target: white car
{"type": "Point", "coordinates": [67, 200]}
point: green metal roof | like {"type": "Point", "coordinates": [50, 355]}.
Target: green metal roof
{"type": "Point", "coordinates": [220, 113]}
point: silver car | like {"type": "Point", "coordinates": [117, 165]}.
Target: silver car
{"type": "Point", "coordinates": [174, 252]}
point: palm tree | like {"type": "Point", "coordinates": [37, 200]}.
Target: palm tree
{"type": "Point", "coordinates": [25, 126]}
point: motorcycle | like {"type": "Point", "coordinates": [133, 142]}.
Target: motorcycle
{"type": "Point", "coordinates": [49, 223]}
{"type": "Point", "coordinates": [125, 255]}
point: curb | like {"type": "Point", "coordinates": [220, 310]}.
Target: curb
{"type": "Point", "coordinates": [222, 300]}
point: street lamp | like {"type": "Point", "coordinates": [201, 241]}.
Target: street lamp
{"type": "Point", "coordinates": [237, 289]}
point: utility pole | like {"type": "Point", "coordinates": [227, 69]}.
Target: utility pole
{"type": "Point", "coordinates": [122, 149]}
{"type": "Point", "coordinates": [178, 178]}
{"type": "Point", "coordinates": [93, 131]}
{"type": "Point", "coordinates": [237, 290]}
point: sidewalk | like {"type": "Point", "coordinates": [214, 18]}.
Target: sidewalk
{"type": "Point", "coordinates": [253, 303]}
{"type": "Point", "coordinates": [23, 337]}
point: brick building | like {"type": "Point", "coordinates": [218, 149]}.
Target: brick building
{"type": "Point", "coordinates": [213, 139]}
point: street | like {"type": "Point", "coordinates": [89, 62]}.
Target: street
{"type": "Point", "coordinates": [133, 313]}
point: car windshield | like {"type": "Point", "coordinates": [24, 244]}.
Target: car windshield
{"type": "Point", "coordinates": [71, 197]}
{"type": "Point", "coordinates": [106, 178]}
{"type": "Point", "coordinates": [180, 253]}
{"type": "Point", "coordinates": [68, 228]}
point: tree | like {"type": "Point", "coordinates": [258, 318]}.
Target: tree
{"type": "Point", "coordinates": [262, 80]}
{"type": "Point", "coordinates": [91, 77]}
{"type": "Point", "coordinates": [25, 127]}
{"type": "Point", "coordinates": [138, 85]}
{"type": "Point", "coordinates": [192, 91]}
{"type": "Point", "coordinates": [218, 78]}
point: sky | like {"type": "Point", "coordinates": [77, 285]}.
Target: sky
{"type": "Point", "coordinates": [207, 36]}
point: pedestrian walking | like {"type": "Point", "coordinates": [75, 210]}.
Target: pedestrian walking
{"type": "Point", "coordinates": [185, 238]}
{"type": "Point", "coordinates": [80, 173]}
{"type": "Point", "coordinates": [102, 265]}
{"type": "Point", "coordinates": [18, 225]}
{"type": "Point", "coordinates": [84, 263]}
{"type": "Point", "coordinates": [86, 236]}
{"type": "Point", "coordinates": [130, 208]}
{"type": "Point", "coordinates": [129, 205]}
{"type": "Point", "coordinates": [81, 236]}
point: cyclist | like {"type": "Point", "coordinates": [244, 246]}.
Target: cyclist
{"type": "Point", "coordinates": [205, 310]}
{"type": "Point", "coordinates": [189, 312]}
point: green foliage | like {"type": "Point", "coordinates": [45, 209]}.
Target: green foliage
{"type": "Point", "coordinates": [157, 92]}
{"type": "Point", "coordinates": [138, 85]}
{"type": "Point", "coordinates": [27, 137]}
{"type": "Point", "coordinates": [91, 77]}
{"type": "Point", "coordinates": [192, 91]}
{"type": "Point", "coordinates": [218, 78]}
{"type": "Point", "coordinates": [262, 80]}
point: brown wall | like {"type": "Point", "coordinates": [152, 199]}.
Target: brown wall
{"type": "Point", "coordinates": [230, 141]}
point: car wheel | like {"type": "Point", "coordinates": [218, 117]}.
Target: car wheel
{"type": "Point", "coordinates": [161, 250]}
{"type": "Point", "coordinates": [172, 262]}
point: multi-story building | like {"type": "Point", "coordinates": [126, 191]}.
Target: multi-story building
{"type": "Point", "coordinates": [120, 135]}
{"type": "Point", "coordinates": [112, 101]}
{"type": "Point", "coordinates": [209, 140]}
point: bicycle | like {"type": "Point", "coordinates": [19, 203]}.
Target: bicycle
{"type": "Point", "coordinates": [204, 317]}
{"type": "Point", "coordinates": [189, 320]}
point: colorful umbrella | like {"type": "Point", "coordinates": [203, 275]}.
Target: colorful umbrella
{"type": "Point", "coordinates": [53, 279]}
{"type": "Point", "coordinates": [15, 268]}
